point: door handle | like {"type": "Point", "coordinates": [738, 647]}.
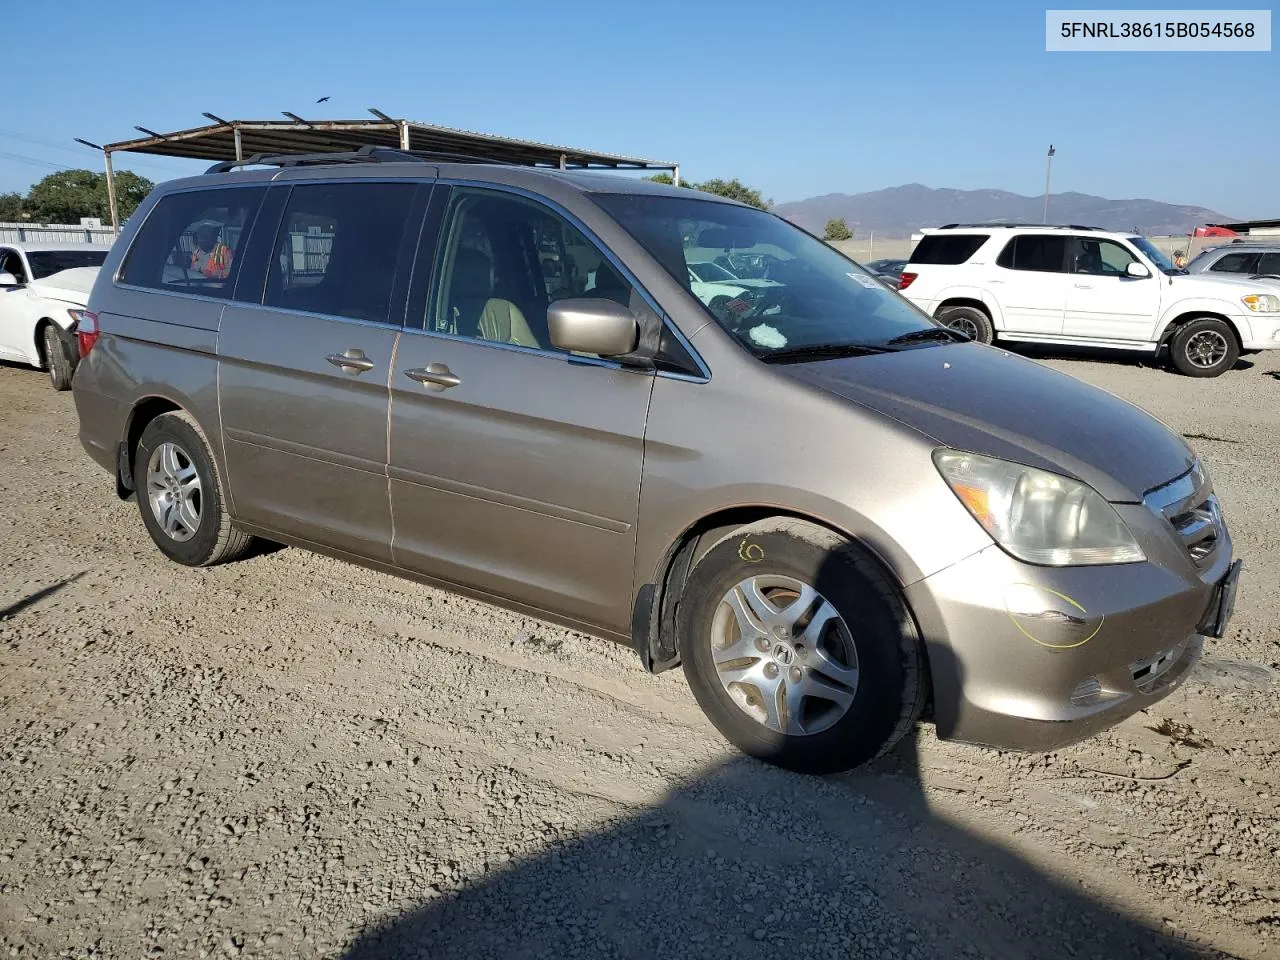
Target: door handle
{"type": "Point", "coordinates": [353, 362]}
{"type": "Point", "coordinates": [1083, 286]}
{"type": "Point", "coordinates": [434, 376]}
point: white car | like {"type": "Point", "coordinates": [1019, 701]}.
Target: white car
{"type": "Point", "coordinates": [714, 285]}
{"type": "Point", "coordinates": [1081, 286]}
{"type": "Point", "coordinates": [43, 288]}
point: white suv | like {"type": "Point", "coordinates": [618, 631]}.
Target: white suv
{"type": "Point", "coordinates": [1078, 285]}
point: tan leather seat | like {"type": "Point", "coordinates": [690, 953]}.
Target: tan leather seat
{"type": "Point", "coordinates": [475, 312]}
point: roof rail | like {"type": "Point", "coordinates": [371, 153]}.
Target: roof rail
{"type": "Point", "coordinates": [1029, 226]}
{"type": "Point", "coordinates": [367, 154]}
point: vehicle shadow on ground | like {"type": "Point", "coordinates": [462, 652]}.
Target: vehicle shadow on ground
{"type": "Point", "coordinates": [745, 860]}
{"type": "Point", "coordinates": [1127, 358]}
{"type": "Point", "coordinates": [750, 861]}
{"type": "Point", "coordinates": [15, 608]}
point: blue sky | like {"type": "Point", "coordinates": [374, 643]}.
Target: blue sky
{"type": "Point", "coordinates": [798, 98]}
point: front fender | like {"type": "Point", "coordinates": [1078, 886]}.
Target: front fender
{"type": "Point", "coordinates": [1205, 305]}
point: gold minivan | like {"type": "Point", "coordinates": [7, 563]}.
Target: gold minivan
{"type": "Point", "coordinates": [833, 512]}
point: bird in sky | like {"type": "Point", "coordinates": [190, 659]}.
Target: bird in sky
{"type": "Point", "coordinates": [322, 100]}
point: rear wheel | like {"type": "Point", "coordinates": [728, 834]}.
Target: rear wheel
{"type": "Point", "coordinates": [180, 495]}
{"type": "Point", "coordinates": [1204, 348]}
{"type": "Point", "coordinates": [56, 359]}
{"type": "Point", "coordinates": [970, 321]}
{"type": "Point", "coordinates": [799, 649]}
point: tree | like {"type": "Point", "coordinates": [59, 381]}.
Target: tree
{"type": "Point", "coordinates": [11, 207]}
{"type": "Point", "coordinates": [734, 189]}
{"type": "Point", "coordinates": [68, 195]}
{"type": "Point", "coordinates": [837, 229]}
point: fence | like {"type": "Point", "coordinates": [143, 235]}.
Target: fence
{"type": "Point", "coordinates": [54, 233]}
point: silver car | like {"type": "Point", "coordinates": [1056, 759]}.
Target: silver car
{"type": "Point", "coordinates": [836, 515]}
{"type": "Point", "coordinates": [1247, 259]}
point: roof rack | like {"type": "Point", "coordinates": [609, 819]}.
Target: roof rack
{"type": "Point", "coordinates": [366, 154]}
{"type": "Point", "coordinates": [1033, 226]}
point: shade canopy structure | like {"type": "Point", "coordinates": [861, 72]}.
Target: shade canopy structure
{"type": "Point", "coordinates": [241, 139]}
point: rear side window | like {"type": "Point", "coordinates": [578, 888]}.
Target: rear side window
{"type": "Point", "coordinates": [1235, 263]}
{"type": "Point", "coordinates": [948, 248]}
{"type": "Point", "coordinates": [190, 240]}
{"type": "Point", "coordinates": [337, 249]}
{"type": "Point", "coordinates": [1032, 251]}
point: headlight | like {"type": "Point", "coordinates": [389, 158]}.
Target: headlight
{"type": "Point", "coordinates": [1262, 302]}
{"type": "Point", "coordinates": [1038, 516]}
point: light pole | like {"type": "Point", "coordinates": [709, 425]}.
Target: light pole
{"type": "Point", "coordinates": [1048, 172]}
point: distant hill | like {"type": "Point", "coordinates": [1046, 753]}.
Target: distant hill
{"type": "Point", "coordinates": [898, 211]}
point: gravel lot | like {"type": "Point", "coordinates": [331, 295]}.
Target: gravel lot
{"type": "Point", "coordinates": [289, 756]}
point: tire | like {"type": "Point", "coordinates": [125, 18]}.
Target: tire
{"type": "Point", "coordinates": [968, 320]}
{"type": "Point", "coordinates": [873, 712]}
{"type": "Point", "coordinates": [1204, 348]}
{"type": "Point", "coordinates": [200, 535]}
{"type": "Point", "coordinates": [56, 359]}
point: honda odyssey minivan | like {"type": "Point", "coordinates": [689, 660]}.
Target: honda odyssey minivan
{"type": "Point", "coordinates": [834, 513]}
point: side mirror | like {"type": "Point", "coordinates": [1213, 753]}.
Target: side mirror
{"type": "Point", "coordinates": [9, 280]}
{"type": "Point", "coordinates": [592, 325]}
{"type": "Point", "coordinates": [1137, 270]}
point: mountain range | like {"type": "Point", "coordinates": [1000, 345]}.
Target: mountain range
{"type": "Point", "coordinates": [898, 211]}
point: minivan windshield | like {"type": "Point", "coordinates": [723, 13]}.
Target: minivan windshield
{"type": "Point", "coordinates": [815, 303]}
{"type": "Point", "coordinates": [1155, 255]}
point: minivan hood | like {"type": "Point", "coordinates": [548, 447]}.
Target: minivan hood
{"type": "Point", "coordinates": [71, 285]}
{"type": "Point", "coordinates": [987, 401]}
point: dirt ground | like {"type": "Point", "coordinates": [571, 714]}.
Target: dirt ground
{"type": "Point", "coordinates": [290, 756]}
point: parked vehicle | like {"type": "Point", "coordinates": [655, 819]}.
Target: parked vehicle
{"type": "Point", "coordinates": [888, 271]}
{"type": "Point", "coordinates": [1255, 260]}
{"type": "Point", "coordinates": [720, 290]}
{"type": "Point", "coordinates": [886, 268]}
{"type": "Point", "coordinates": [1081, 286]}
{"type": "Point", "coordinates": [830, 515]}
{"type": "Point", "coordinates": [43, 287]}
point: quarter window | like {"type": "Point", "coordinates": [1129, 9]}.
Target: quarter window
{"type": "Point", "coordinates": [337, 249]}
{"type": "Point", "coordinates": [190, 240]}
{"type": "Point", "coordinates": [504, 261]}
{"type": "Point", "coordinates": [1033, 251]}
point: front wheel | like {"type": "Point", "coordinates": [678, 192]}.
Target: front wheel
{"type": "Point", "coordinates": [56, 359]}
{"type": "Point", "coordinates": [180, 496]}
{"type": "Point", "coordinates": [1204, 348]}
{"type": "Point", "coordinates": [799, 649]}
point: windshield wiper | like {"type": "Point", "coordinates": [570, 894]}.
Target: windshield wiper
{"type": "Point", "coordinates": [930, 333]}
{"type": "Point", "coordinates": [822, 351]}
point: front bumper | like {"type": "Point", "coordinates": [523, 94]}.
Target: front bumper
{"type": "Point", "coordinates": [1034, 658]}
{"type": "Point", "coordinates": [1263, 331]}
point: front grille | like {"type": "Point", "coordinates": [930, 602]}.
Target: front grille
{"type": "Point", "coordinates": [1191, 509]}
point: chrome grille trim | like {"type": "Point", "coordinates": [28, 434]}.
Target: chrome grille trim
{"type": "Point", "coordinates": [1189, 506]}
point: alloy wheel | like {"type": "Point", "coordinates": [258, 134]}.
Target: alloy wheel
{"type": "Point", "coordinates": [173, 490]}
{"type": "Point", "coordinates": [1206, 349]}
{"type": "Point", "coordinates": [784, 655]}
